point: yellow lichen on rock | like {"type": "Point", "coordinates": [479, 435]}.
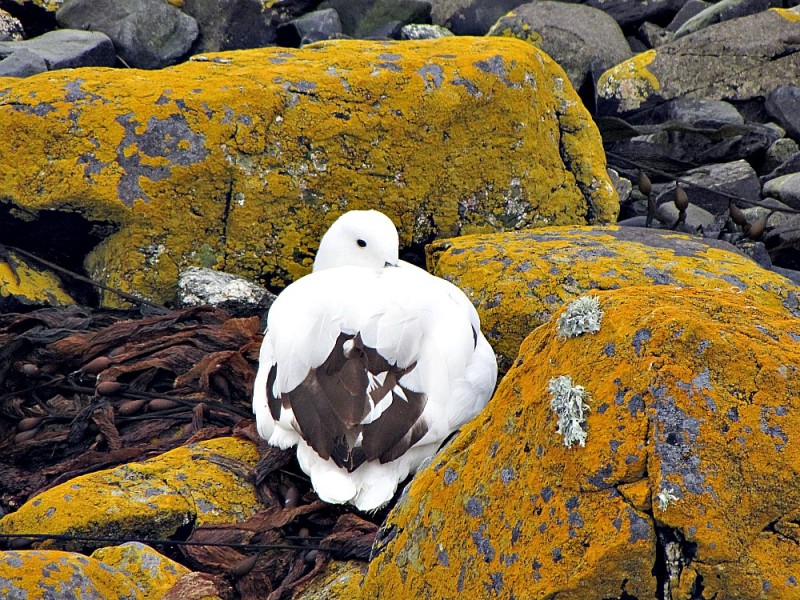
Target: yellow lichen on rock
{"type": "Point", "coordinates": [630, 81]}
{"type": "Point", "coordinates": [340, 579]}
{"type": "Point", "coordinates": [56, 574]}
{"type": "Point", "coordinates": [517, 280]}
{"type": "Point", "coordinates": [790, 14]}
{"type": "Point", "coordinates": [151, 572]}
{"type": "Point", "coordinates": [24, 284]}
{"type": "Point", "coordinates": [204, 483]}
{"type": "Point", "coordinates": [246, 157]}
{"type": "Point", "coordinates": [693, 395]}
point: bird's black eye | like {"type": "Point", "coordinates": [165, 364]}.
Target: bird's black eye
{"type": "Point", "coordinates": [361, 243]}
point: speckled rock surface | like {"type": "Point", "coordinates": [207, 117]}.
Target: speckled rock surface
{"type": "Point", "coordinates": [56, 574]}
{"type": "Point", "coordinates": [23, 284]}
{"type": "Point", "coordinates": [518, 280]}
{"type": "Point", "coordinates": [738, 60]}
{"type": "Point", "coordinates": [202, 483]}
{"type": "Point", "coordinates": [151, 572]}
{"type": "Point", "coordinates": [340, 579]}
{"type": "Point", "coordinates": [686, 484]}
{"type": "Point", "coordinates": [239, 161]}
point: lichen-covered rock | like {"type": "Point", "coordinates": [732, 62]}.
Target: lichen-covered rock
{"type": "Point", "coordinates": [739, 60]}
{"type": "Point", "coordinates": [340, 579]}
{"type": "Point", "coordinates": [517, 280]}
{"type": "Point", "coordinates": [57, 574]}
{"type": "Point", "coordinates": [24, 285]}
{"type": "Point", "coordinates": [151, 572]}
{"type": "Point", "coordinates": [239, 161]}
{"type": "Point", "coordinates": [203, 483]}
{"type": "Point", "coordinates": [686, 487]}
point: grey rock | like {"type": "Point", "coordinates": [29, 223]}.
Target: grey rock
{"type": "Point", "coordinates": [623, 185]}
{"type": "Point", "coordinates": [66, 49]}
{"type": "Point", "coordinates": [697, 112]}
{"type": "Point", "coordinates": [653, 36]}
{"type": "Point", "coordinates": [783, 242]}
{"type": "Point", "coordinates": [419, 31]}
{"type": "Point", "coordinates": [632, 13]}
{"type": "Point", "coordinates": [239, 24]}
{"type": "Point", "coordinates": [790, 165]}
{"type": "Point", "coordinates": [739, 61]}
{"type": "Point", "coordinates": [697, 220]}
{"type": "Point", "coordinates": [755, 250]}
{"type": "Point", "coordinates": [734, 178]}
{"type": "Point", "coordinates": [478, 16]}
{"type": "Point", "coordinates": [686, 12]}
{"type": "Point", "coordinates": [317, 25]}
{"type": "Point", "coordinates": [147, 34]}
{"type": "Point", "coordinates": [783, 105]}
{"type": "Point", "coordinates": [198, 286]}
{"type": "Point", "coordinates": [22, 63]}
{"type": "Point", "coordinates": [785, 188]}
{"type": "Point", "coordinates": [771, 209]}
{"type": "Point", "coordinates": [378, 18]}
{"type": "Point", "coordinates": [724, 11]}
{"type": "Point", "coordinates": [778, 153]}
{"type": "Point", "coordinates": [577, 37]}
{"type": "Point", "coordinates": [10, 28]}
{"type": "Point", "coordinates": [639, 221]}
{"type": "Point", "coordinates": [637, 45]}
{"type": "Point", "coordinates": [791, 274]}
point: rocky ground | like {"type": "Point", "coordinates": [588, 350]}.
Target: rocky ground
{"type": "Point", "coordinates": [159, 156]}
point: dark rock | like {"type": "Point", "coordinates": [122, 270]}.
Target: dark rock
{"type": "Point", "coordinates": [317, 25]}
{"type": "Point", "coordinates": [697, 112]}
{"type": "Point", "coordinates": [734, 178]}
{"type": "Point", "coordinates": [147, 34]}
{"type": "Point", "coordinates": [420, 31]}
{"type": "Point", "coordinates": [653, 36]}
{"type": "Point", "coordinates": [639, 221]}
{"type": "Point", "coordinates": [22, 63]}
{"type": "Point", "coordinates": [686, 12]}
{"type": "Point", "coordinates": [785, 188]}
{"type": "Point", "coordinates": [790, 165]}
{"type": "Point", "coordinates": [575, 36]}
{"type": "Point", "coordinates": [390, 30]}
{"type": "Point", "coordinates": [778, 153]}
{"type": "Point", "coordinates": [637, 45]}
{"type": "Point", "coordinates": [783, 105]}
{"type": "Point", "coordinates": [632, 13]}
{"type": "Point", "coordinates": [788, 273]}
{"type": "Point", "coordinates": [239, 24]}
{"type": "Point", "coordinates": [783, 242]}
{"type": "Point", "coordinates": [66, 49]}
{"type": "Point", "coordinates": [376, 18]}
{"type": "Point", "coordinates": [478, 16]}
{"type": "Point", "coordinates": [724, 10]}
{"type": "Point", "coordinates": [678, 146]}
{"type": "Point", "coordinates": [10, 28]}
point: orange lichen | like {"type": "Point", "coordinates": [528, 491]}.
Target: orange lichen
{"type": "Point", "coordinates": [248, 156]}
{"type": "Point", "coordinates": [518, 280]}
{"type": "Point", "coordinates": [695, 392]}
{"type": "Point", "coordinates": [30, 285]}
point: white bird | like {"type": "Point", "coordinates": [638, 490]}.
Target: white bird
{"type": "Point", "coordinates": [368, 364]}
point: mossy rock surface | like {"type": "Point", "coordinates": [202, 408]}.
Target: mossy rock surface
{"type": "Point", "coordinates": [518, 280]}
{"type": "Point", "coordinates": [240, 160]}
{"type": "Point", "coordinates": [693, 452]}
{"type": "Point", "coordinates": [56, 574]}
{"type": "Point", "coordinates": [24, 284]}
{"type": "Point", "coordinates": [200, 484]}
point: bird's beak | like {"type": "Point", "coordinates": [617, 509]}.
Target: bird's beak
{"type": "Point", "coordinates": [390, 264]}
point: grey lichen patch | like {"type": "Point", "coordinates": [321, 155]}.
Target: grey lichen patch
{"type": "Point", "coordinates": [666, 496]}
{"type": "Point", "coordinates": [639, 338]}
{"type": "Point", "coordinates": [569, 403]}
{"type": "Point", "coordinates": [432, 75]}
{"type": "Point", "coordinates": [676, 436]}
{"type": "Point", "coordinates": [772, 429]}
{"type": "Point", "coordinates": [640, 527]}
{"type": "Point", "coordinates": [581, 316]}
{"type": "Point", "coordinates": [484, 547]}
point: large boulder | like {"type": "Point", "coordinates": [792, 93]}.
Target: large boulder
{"type": "Point", "coordinates": [24, 285]}
{"type": "Point", "coordinates": [741, 60]}
{"type": "Point", "coordinates": [518, 280]}
{"type": "Point", "coordinates": [679, 480]}
{"type": "Point", "coordinates": [240, 161]}
{"type": "Point", "coordinates": [581, 39]}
